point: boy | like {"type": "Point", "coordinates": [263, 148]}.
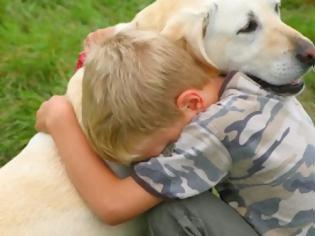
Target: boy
{"type": "Point", "coordinates": [130, 79]}
{"type": "Point", "coordinates": [275, 193]}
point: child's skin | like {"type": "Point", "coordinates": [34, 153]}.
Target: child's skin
{"type": "Point", "coordinates": [103, 191]}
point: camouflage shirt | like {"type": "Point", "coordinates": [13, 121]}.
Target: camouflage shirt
{"type": "Point", "coordinates": [257, 148]}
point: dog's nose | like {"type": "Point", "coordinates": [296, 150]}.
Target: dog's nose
{"type": "Point", "coordinates": [306, 53]}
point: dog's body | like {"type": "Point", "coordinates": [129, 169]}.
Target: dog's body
{"type": "Point", "coordinates": [37, 198]}
{"type": "Point", "coordinates": [36, 195]}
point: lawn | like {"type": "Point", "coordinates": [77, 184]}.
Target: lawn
{"type": "Point", "coordinates": [40, 41]}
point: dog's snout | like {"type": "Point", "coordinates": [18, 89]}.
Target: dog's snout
{"type": "Point", "coordinates": [306, 53]}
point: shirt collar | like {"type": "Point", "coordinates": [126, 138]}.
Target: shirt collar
{"type": "Point", "coordinates": [241, 82]}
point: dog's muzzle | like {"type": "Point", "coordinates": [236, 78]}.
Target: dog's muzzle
{"type": "Point", "coordinates": [284, 90]}
{"type": "Point", "coordinates": [305, 53]}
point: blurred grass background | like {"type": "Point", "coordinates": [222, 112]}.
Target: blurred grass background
{"type": "Point", "coordinates": [40, 41]}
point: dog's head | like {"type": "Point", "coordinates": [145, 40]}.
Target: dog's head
{"type": "Point", "coordinates": [247, 36]}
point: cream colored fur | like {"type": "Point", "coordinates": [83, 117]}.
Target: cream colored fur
{"type": "Point", "coordinates": [37, 198]}
{"type": "Point", "coordinates": [210, 29]}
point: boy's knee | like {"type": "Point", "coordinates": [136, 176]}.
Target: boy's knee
{"type": "Point", "coordinates": [171, 210]}
{"type": "Point", "coordinates": [164, 213]}
{"type": "Point", "coordinates": [161, 220]}
{"type": "Point", "coordinates": [204, 214]}
{"type": "Point", "coordinates": [175, 218]}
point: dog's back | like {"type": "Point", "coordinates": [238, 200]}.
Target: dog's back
{"type": "Point", "coordinates": [37, 197]}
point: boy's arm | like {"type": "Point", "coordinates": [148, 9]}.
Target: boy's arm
{"type": "Point", "coordinates": [198, 162]}
{"type": "Point", "coordinates": [114, 200]}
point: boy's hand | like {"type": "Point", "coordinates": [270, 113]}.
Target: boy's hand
{"type": "Point", "coordinates": [54, 113]}
{"type": "Point", "coordinates": [97, 37]}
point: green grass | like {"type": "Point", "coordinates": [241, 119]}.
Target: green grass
{"type": "Point", "coordinates": [302, 17]}
{"type": "Point", "coordinates": [39, 44]}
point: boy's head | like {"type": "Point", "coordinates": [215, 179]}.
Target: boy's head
{"type": "Point", "coordinates": [133, 88]}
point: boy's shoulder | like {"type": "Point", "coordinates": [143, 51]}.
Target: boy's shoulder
{"type": "Point", "coordinates": [241, 96]}
{"type": "Point", "coordinates": [245, 108]}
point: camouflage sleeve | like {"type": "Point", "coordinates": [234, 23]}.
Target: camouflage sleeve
{"type": "Point", "coordinates": [198, 162]}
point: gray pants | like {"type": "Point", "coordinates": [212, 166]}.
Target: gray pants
{"type": "Point", "coordinates": [203, 215]}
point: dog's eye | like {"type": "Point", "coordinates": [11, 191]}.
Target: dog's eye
{"type": "Point", "coordinates": [250, 27]}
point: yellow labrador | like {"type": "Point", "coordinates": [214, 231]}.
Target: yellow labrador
{"type": "Point", "coordinates": [238, 35]}
{"type": "Point", "coordinates": [37, 198]}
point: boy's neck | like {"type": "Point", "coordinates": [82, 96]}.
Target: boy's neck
{"type": "Point", "coordinates": [210, 70]}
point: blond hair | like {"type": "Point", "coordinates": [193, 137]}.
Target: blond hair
{"type": "Point", "coordinates": [130, 86]}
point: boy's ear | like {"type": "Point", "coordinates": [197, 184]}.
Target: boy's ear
{"type": "Point", "coordinates": [191, 101]}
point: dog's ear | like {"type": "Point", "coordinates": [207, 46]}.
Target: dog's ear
{"type": "Point", "coordinates": [191, 27]}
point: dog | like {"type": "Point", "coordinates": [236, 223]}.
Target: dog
{"type": "Point", "coordinates": [37, 197]}
{"type": "Point", "coordinates": [242, 35]}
